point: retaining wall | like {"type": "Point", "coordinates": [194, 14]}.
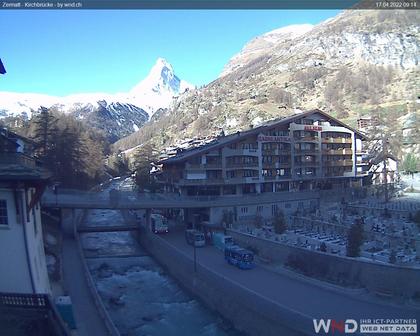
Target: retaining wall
{"type": "Point", "coordinates": [379, 278]}
{"type": "Point", "coordinates": [248, 311]}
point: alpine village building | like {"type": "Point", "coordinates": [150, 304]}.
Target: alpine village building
{"type": "Point", "coordinates": [22, 180]}
{"type": "Point", "coordinates": [305, 152]}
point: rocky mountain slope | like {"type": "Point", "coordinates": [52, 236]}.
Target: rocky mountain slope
{"type": "Point", "coordinates": [358, 63]}
{"type": "Point", "coordinates": [118, 115]}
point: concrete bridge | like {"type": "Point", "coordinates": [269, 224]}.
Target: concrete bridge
{"type": "Point", "coordinates": [79, 199]}
{"type": "Point", "coordinates": [113, 228]}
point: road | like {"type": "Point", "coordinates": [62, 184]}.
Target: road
{"type": "Point", "coordinates": [299, 295]}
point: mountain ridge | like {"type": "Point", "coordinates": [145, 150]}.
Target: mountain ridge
{"type": "Point", "coordinates": [357, 63]}
{"type": "Point", "coordinates": [126, 112]}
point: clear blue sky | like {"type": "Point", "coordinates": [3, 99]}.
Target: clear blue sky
{"type": "Point", "coordinates": [64, 52]}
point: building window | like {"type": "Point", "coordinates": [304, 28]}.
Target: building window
{"type": "Point", "coordinates": [244, 210]}
{"type": "Point", "coordinates": [281, 172]}
{"type": "Point", "coordinates": [260, 208]}
{"type": "Point", "coordinates": [3, 213]}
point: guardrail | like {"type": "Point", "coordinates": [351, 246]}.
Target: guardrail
{"type": "Point", "coordinates": [40, 302]}
{"type": "Point", "coordinates": [19, 158]}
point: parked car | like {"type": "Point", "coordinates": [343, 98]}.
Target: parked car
{"type": "Point", "coordinates": [221, 240]}
{"type": "Point", "coordinates": [195, 238]}
{"type": "Point", "coordinates": [159, 224]}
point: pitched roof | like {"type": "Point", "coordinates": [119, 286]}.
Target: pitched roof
{"type": "Point", "coordinates": [12, 135]}
{"type": "Point", "coordinates": [225, 140]}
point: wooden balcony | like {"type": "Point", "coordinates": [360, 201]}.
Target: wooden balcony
{"type": "Point", "coordinates": [269, 151]}
{"type": "Point", "coordinates": [346, 151]}
{"type": "Point", "coordinates": [242, 165]}
{"type": "Point", "coordinates": [277, 177]}
{"type": "Point", "coordinates": [313, 151]}
{"type": "Point", "coordinates": [306, 139]}
{"type": "Point", "coordinates": [307, 164]}
{"type": "Point", "coordinates": [337, 140]}
{"type": "Point", "coordinates": [18, 159]}
{"type": "Point", "coordinates": [338, 163]}
{"type": "Point", "coordinates": [199, 166]}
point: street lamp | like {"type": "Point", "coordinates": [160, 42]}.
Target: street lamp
{"type": "Point", "coordinates": [195, 257]}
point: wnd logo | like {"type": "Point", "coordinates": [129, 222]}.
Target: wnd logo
{"type": "Point", "coordinates": [347, 326]}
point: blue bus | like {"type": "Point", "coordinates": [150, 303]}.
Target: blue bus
{"type": "Point", "coordinates": [239, 257]}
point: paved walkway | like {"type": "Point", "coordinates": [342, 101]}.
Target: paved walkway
{"type": "Point", "coordinates": [88, 321]}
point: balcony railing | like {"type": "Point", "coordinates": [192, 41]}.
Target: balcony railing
{"type": "Point", "coordinates": [306, 139]}
{"type": "Point", "coordinates": [347, 151]}
{"type": "Point", "coordinates": [337, 140]}
{"type": "Point", "coordinates": [200, 166]}
{"type": "Point", "coordinates": [242, 165]}
{"type": "Point", "coordinates": [201, 181]}
{"type": "Point", "coordinates": [269, 165]}
{"type": "Point", "coordinates": [277, 177]}
{"type": "Point", "coordinates": [338, 163]}
{"type": "Point", "coordinates": [20, 159]}
{"type": "Point", "coordinates": [19, 302]}
{"type": "Point", "coordinates": [239, 180]}
{"type": "Point", "coordinates": [306, 151]}
{"type": "Point", "coordinates": [307, 164]}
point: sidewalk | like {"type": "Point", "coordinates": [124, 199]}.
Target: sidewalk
{"type": "Point", "coordinates": [88, 320]}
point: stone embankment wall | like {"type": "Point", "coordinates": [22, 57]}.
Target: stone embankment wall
{"type": "Point", "coordinates": [376, 277]}
{"type": "Point", "coordinates": [247, 310]}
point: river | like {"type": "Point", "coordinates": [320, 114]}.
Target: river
{"type": "Point", "coordinates": [140, 297]}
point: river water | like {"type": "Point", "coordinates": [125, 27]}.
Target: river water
{"type": "Point", "coordinates": [139, 296]}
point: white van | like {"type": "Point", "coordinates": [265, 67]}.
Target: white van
{"type": "Point", "coordinates": [159, 224]}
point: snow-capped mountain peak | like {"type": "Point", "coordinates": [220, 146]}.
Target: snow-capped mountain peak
{"type": "Point", "coordinates": [161, 78]}
{"type": "Point", "coordinates": [128, 110]}
{"type": "Point", "coordinates": [159, 87]}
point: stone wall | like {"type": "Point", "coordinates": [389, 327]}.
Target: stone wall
{"type": "Point", "coordinates": [378, 278]}
{"type": "Point", "coordinates": [248, 311]}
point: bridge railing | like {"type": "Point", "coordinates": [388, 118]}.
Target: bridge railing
{"type": "Point", "coordinates": [39, 302]}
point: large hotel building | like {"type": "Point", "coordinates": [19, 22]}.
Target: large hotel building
{"type": "Point", "coordinates": [305, 151]}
